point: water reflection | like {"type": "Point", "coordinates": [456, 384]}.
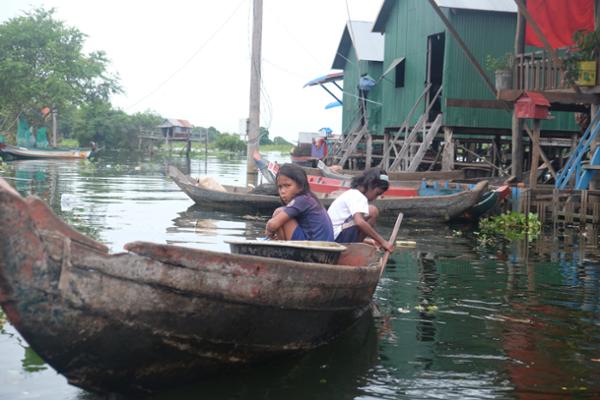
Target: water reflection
{"type": "Point", "coordinates": [335, 371]}
{"type": "Point", "coordinates": [516, 320]}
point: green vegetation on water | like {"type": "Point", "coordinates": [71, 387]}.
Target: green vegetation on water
{"type": "Point", "coordinates": [508, 227]}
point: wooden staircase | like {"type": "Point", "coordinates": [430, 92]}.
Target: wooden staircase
{"type": "Point", "coordinates": [404, 148]}
{"type": "Point", "coordinates": [576, 166]}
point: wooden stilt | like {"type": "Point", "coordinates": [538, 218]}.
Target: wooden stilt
{"type": "Point", "coordinates": [535, 154]}
{"type": "Point", "coordinates": [517, 148]}
{"type": "Point", "coordinates": [369, 151]}
{"type": "Point", "coordinates": [448, 154]}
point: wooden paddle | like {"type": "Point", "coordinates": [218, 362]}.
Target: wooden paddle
{"type": "Point", "coordinates": [392, 241]}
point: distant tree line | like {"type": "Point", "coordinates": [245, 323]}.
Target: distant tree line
{"type": "Point", "coordinates": [43, 67]}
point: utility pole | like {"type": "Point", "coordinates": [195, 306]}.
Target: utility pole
{"type": "Point", "coordinates": [54, 126]}
{"type": "Point", "coordinates": [255, 80]}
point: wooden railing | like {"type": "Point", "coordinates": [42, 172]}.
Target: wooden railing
{"type": "Point", "coordinates": [535, 71]}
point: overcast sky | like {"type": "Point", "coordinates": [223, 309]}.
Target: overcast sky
{"type": "Point", "coordinates": [190, 59]}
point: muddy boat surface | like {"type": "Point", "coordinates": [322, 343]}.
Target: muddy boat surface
{"type": "Point", "coordinates": [159, 315]}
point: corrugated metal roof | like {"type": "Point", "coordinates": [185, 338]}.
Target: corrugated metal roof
{"type": "Point", "coordinates": [482, 5]}
{"type": "Point", "coordinates": [369, 46]}
{"type": "Point", "coordinates": [479, 5]}
{"type": "Point", "coordinates": [168, 122]}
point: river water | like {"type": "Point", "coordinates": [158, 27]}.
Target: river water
{"type": "Point", "coordinates": [454, 320]}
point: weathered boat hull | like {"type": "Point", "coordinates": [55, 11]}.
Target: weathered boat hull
{"type": "Point", "coordinates": [161, 315]}
{"type": "Point", "coordinates": [22, 153]}
{"type": "Point", "coordinates": [440, 208]}
{"type": "Point", "coordinates": [234, 199]}
{"type": "Point", "coordinates": [346, 174]}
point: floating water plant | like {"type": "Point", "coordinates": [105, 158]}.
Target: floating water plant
{"type": "Point", "coordinates": [509, 226]}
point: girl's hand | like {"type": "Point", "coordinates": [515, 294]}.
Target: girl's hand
{"type": "Point", "coordinates": [387, 246]}
{"type": "Point", "coordinates": [270, 235]}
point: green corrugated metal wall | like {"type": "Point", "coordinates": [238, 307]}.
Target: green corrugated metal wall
{"type": "Point", "coordinates": [406, 32]}
{"type": "Point", "coordinates": [352, 72]}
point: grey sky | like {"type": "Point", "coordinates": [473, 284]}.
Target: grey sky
{"type": "Point", "coordinates": [190, 59]}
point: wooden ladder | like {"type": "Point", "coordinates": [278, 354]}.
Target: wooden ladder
{"type": "Point", "coordinates": [405, 158]}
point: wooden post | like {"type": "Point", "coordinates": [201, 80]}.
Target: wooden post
{"type": "Point", "coordinates": [535, 154]}
{"type": "Point", "coordinates": [523, 11]}
{"type": "Point", "coordinates": [369, 150]}
{"type": "Point", "coordinates": [386, 151]}
{"type": "Point", "coordinates": [448, 154]}
{"type": "Point", "coordinates": [517, 148]}
{"type": "Point", "coordinates": [517, 125]}
{"type": "Point", "coordinates": [255, 79]}
{"type": "Point", "coordinates": [206, 152]}
{"type": "Point", "coordinates": [535, 142]}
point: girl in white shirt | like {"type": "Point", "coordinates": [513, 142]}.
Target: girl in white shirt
{"type": "Point", "coordinates": [352, 216]}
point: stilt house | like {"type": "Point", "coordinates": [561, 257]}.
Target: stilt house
{"type": "Point", "coordinates": [431, 104]}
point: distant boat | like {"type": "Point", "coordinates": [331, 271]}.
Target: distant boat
{"type": "Point", "coordinates": [159, 315]}
{"type": "Point", "coordinates": [10, 152]}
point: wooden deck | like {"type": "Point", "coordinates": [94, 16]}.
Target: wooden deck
{"type": "Point", "coordinates": [567, 206]}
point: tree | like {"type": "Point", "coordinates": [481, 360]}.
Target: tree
{"type": "Point", "coordinates": [264, 136]}
{"type": "Point", "coordinates": [42, 64]}
{"type": "Point", "coordinates": [98, 121]}
{"type": "Point", "coordinates": [230, 143]}
{"type": "Point", "coordinates": [280, 140]}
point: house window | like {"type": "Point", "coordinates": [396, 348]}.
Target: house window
{"type": "Point", "coordinates": [399, 72]}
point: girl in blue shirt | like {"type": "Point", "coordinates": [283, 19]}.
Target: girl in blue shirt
{"type": "Point", "coordinates": [303, 217]}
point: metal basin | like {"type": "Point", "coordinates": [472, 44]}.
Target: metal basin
{"type": "Point", "coordinates": [297, 250]}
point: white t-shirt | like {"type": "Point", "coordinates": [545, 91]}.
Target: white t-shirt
{"type": "Point", "coordinates": [345, 206]}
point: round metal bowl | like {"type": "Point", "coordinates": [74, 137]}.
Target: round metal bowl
{"type": "Point", "coordinates": [297, 250]}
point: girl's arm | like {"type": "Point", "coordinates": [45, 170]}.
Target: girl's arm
{"type": "Point", "coordinates": [368, 230]}
{"type": "Point", "coordinates": [279, 218]}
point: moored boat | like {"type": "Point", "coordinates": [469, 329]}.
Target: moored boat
{"type": "Point", "coordinates": [159, 315]}
{"type": "Point", "coordinates": [441, 203]}
{"type": "Point", "coordinates": [321, 184]}
{"type": "Point", "coordinates": [346, 174]}
{"type": "Point", "coordinates": [232, 198]}
{"type": "Point", "coordinates": [23, 153]}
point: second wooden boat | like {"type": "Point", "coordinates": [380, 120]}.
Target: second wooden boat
{"type": "Point", "coordinates": [441, 207]}
{"type": "Point", "coordinates": [328, 172]}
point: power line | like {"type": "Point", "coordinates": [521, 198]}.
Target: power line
{"type": "Point", "coordinates": [189, 60]}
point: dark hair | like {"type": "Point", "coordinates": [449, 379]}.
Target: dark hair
{"type": "Point", "coordinates": [298, 175]}
{"type": "Point", "coordinates": [370, 179]}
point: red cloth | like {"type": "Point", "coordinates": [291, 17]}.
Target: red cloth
{"type": "Point", "coordinates": [559, 20]}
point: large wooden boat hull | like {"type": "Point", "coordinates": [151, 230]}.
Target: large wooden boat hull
{"type": "Point", "coordinates": [160, 315]}
{"type": "Point", "coordinates": [23, 153]}
{"type": "Point", "coordinates": [235, 198]}
{"type": "Point", "coordinates": [346, 174]}
{"type": "Point", "coordinates": [442, 208]}
{"type": "Point", "coordinates": [433, 207]}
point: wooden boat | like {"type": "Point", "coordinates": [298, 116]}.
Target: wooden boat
{"type": "Point", "coordinates": [23, 153]}
{"type": "Point", "coordinates": [321, 184]}
{"type": "Point", "coordinates": [346, 174]}
{"type": "Point", "coordinates": [234, 198]}
{"type": "Point", "coordinates": [443, 207]}
{"type": "Point", "coordinates": [304, 161]}
{"type": "Point", "coordinates": [160, 315]}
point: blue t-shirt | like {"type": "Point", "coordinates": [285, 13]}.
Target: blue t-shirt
{"type": "Point", "coordinates": [311, 217]}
